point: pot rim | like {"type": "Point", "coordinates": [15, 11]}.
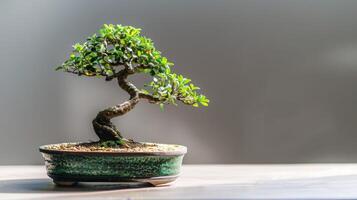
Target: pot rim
{"type": "Point", "coordinates": [181, 150]}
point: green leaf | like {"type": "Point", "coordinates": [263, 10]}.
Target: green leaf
{"type": "Point", "coordinates": [204, 103]}
{"type": "Point", "coordinates": [78, 47]}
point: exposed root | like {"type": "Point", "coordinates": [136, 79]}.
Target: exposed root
{"type": "Point", "coordinates": [123, 143]}
{"type": "Point", "coordinates": [105, 129]}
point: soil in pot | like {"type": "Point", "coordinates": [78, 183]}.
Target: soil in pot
{"type": "Point", "coordinates": [113, 146]}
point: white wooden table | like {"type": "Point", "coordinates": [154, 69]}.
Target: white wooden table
{"type": "Point", "coordinates": [298, 181]}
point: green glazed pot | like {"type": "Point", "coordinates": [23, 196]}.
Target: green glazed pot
{"type": "Point", "coordinates": [71, 167]}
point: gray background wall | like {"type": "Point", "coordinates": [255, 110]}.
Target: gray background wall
{"type": "Point", "coordinates": [281, 76]}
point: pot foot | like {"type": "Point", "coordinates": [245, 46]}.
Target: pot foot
{"type": "Point", "coordinates": [65, 183]}
{"type": "Point", "coordinates": [158, 181]}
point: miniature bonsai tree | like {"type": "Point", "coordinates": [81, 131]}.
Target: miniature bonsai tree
{"type": "Point", "coordinates": [116, 53]}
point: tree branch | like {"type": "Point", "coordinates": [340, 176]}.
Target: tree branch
{"type": "Point", "coordinates": [149, 97]}
{"type": "Point", "coordinates": [182, 99]}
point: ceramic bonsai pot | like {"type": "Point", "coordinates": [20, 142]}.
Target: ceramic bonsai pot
{"type": "Point", "coordinates": [70, 167]}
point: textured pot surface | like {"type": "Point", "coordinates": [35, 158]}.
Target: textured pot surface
{"type": "Point", "coordinates": [112, 166]}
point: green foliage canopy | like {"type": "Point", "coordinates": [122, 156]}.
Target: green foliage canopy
{"type": "Point", "coordinates": [116, 46]}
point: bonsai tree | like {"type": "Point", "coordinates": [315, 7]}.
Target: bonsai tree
{"type": "Point", "coordinates": [116, 53]}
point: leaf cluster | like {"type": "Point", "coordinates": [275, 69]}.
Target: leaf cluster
{"type": "Point", "coordinates": [116, 47]}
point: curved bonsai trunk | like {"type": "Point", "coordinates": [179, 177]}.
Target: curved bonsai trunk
{"type": "Point", "coordinates": [102, 125]}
